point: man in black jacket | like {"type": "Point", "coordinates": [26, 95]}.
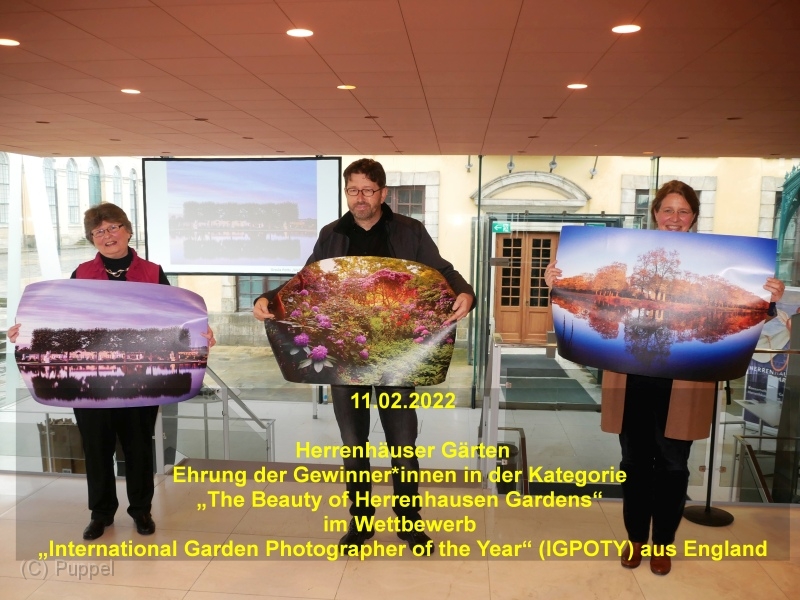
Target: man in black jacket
{"type": "Point", "coordinates": [370, 228]}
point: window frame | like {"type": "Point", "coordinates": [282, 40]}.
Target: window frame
{"type": "Point", "coordinates": [73, 192]}
{"type": "Point", "coordinates": [244, 302]}
{"type": "Point", "coordinates": [404, 206]}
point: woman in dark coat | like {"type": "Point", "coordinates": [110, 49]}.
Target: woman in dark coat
{"type": "Point", "coordinates": [657, 419]}
{"type": "Point", "coordinates": [107, 228]}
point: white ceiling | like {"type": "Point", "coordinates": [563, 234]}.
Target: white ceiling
{"type": "Point", "coordinates": [441, 76]}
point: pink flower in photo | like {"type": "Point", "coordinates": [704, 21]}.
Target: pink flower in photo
{"type": "Point", "coordinates": [318, 353]}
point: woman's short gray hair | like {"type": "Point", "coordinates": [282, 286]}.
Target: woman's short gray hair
{"type": "Point", "coordinates": [111, 213]}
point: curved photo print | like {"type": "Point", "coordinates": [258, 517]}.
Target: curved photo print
{"type": "Point", "coordinates": [363, 321]}
{"type": "Point", "coordinates": [102, 344]}
{"type": "Point", "coordinates": [681, 306]}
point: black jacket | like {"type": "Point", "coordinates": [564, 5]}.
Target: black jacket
{"type": "Point", "coordinates": [407, 239]}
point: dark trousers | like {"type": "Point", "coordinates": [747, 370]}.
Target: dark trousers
{"type": "Point", "coordinates": [656, 466]}
{"type": "Point", "coordinates": [400, 427]}
{"type": "Point", "coordinates": [100, 428]}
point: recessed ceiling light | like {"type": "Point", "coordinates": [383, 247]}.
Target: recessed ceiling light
{"type": "Point", "coordinates": [200, 119]}
{"type": "Point", "coordinates": [549, 117]}
{"type": "Point", "coordinates": [734, 118]}
{"type": "Point", "coordinates": [398, 151]}
{"type": "Point", "coordinates": [300, 32]}
{"type": "Point", "coordinates": [370, 117]}
{"type": "Point", "coordinates": [388, 136]}
{"type": "Point", "coordinates": [775, 154]}
{"type": "Point", "coordinates": [577, 86]}
{"type": "Point", "coordinates": [521, 151]}
{"type": "Point", "coordinates": [345, 87]}
{"type": "Point", "coordinates": [56, 153]}
{"type": "Point", "coordinates": [625, 29]}
{"type": "Point", "coordinates": [114, 140]}
{"type": "Point", "coordinates": [532, 137]}
{"type": "Point", "coordinates": [246, 138]}
{"type": "Point", "coordinates": [280, 151]}
{"type": "Point", "coordinates": [166, 153]}
{"type": "Point", "coordinates": [43, 122]}
{"type": "Point", "coordinates": [130, 91]}
{"type": "Point", "coordinates": [7, 42]}
{"type": "Point", "coordinates": [683, 137]}
{"type": "Point", "coordinates": [650, 152]}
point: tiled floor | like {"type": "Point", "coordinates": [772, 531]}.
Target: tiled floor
{"type": "Point", "coordinates": [35, 509]}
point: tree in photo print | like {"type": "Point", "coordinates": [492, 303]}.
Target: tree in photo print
{"type": "Point", "coordinates": [639, 306]}
{"type": "Point", "coordinates": [364, 321]}
{"type": "Point", "coordinates": [126, 346]}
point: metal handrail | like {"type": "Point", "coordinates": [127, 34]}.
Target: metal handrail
{"type": "Point", "coordinates": [740, 439]}
{"type": "Point", "coordinates": [50, 455]}
{"type": "Point", "coordinates": [491, 396]}
{"type": "Point", "coordinates": [763, 490]}
{"type": "Point", "coordinates": [269, 427]}
{"type": "Point", "coordinates": [224, 392]}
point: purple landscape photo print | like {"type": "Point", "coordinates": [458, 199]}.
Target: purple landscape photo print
{"type": "Point", "coordinates": [100, 344]}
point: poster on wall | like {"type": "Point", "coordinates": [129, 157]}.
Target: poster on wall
{"type": "Point", "coordinates": [105, 344]}
{"type": "Point", "coordinates": [766, 374]}
{"type": "Point", "coordinates": [363, 321]}
{"type": "Point", "coordinates": [659, 303]}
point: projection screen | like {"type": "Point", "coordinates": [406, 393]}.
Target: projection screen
{"type": "Point", "coordinates": [237, 216]}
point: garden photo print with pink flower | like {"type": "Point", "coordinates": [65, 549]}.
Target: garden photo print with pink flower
{"type": "Point", "coordinates": [363, 321]}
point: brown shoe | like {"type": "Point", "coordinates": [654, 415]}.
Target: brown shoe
{"type": "Point", "coordinates": [660, 565]}
{"type": "Point", "coordinates": [631, 555]}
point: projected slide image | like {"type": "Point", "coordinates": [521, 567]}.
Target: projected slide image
{"type": "Point", "coordinates": [238, 216]}
{"type": "Point", "coordinates": [682, 306]}
{"type": "Point", "coordinates": [103, 344]}
{"type": "Point", "coordinates": [218, 215]}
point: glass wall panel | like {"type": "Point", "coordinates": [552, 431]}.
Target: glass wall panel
{"type": "Point", "coordinates": [500, 229]}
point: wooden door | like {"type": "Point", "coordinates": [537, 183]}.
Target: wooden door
{"type": "Point", "coordinates": [522, 301]}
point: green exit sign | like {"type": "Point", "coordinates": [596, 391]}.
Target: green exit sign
{"type": "Point", "coordinates": [501, 227]}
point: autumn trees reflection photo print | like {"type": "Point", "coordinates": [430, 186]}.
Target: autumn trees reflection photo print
{"type": "Point", "coordinates": [685, 306]}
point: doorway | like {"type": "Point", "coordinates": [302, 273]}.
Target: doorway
{"type": "Point", "coordinates": [522, 298]}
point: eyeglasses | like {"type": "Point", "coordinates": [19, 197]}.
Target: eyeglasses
{"type": "Point", "coordinates": [112, 229]}
{"type": "Point", "coordinates": [682, 213]}
{"type": "Point", "coordinates": [367, 193]}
